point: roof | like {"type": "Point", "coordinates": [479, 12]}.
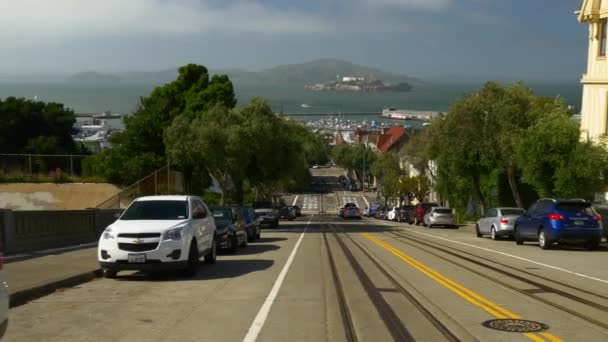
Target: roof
{"type": "Point", "coordinates": [590, 10]}
{"type": "Point", "coordinates": [390, 138]}
{"type": "Point", "coordinates": [164, 198]}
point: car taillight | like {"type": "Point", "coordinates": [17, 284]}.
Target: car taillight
{"type": "Point", "coordinates": [556, 217]}
{"type": "Point", "coordinates": [504, 220]}
{"type": "Point", "coordinates": [597, 217]}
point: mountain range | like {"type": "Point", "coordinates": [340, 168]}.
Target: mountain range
{"type": "Point", "coordinates": [321, 70]}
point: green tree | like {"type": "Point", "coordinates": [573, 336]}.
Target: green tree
{"type": "Point", "coordinates": [28, 126]}
{"type": "Point", "coordinates": [140, 148]}
{"type": "Point", "coordinates": [555, 162]}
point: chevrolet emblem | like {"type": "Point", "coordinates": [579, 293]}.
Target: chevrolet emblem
{"type": "Point", "coordinates": [138, 241]}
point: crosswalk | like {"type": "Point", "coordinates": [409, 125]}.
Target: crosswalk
{"type": "Point", "coordinates": [311, 203]}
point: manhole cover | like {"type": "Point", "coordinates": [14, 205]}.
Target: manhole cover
{"type": "Point", "coordinates": [515, 325]}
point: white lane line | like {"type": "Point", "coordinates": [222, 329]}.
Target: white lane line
{"type": "Point", "coordinates": [366, 201]}
{"type": "Point", "coordinates": [260, 318]}
{"type": "Point", "coordinates": [295, 200]}
{"type": "Point", "coordinates": [513, 256]}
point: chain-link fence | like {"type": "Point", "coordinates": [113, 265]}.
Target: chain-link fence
{"type": "Point", "coordinates": [162, 182]}
{"type": "Point", "coordinates": [41, 164]}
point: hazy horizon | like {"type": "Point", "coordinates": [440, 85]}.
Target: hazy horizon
{"type": "Point", "coordinates": [428, 39]}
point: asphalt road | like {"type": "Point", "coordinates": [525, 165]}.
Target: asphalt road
{"type": "Point", "coordinates": [320, 278]}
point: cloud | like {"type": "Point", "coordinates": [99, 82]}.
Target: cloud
{"type": "Point", "coordinates": [21, 18]}
{"type": "Point", "coordinates": [408, 4]}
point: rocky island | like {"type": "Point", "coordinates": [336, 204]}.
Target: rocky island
{"type": "Point", "coordinates": [359, 84]}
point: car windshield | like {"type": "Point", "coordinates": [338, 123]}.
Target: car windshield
{"type": "Point", "coordinates": [443, 211]}
{"type": "Point", "coordinates": [512, 212]}
{"type": "Point", "coordinates": [575, 208]}
{"type": "Point", "coordinates": [156, 210]}
{"type": "Point", "coordinates": [222, 214]}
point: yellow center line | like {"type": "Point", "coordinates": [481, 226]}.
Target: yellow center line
{"type": "Point", "coordinates": [468, 295]}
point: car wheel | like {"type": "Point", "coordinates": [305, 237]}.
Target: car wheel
{"type": "Point", "coordinates": [244, 243]}
{"type": "Point", "coordinates": [234, 244]}
{"type": "Point", "coordinates": [543, 242]}
{"type": "Point", "coordinates": [193, 260]}
{"type": "Point", "coordinates": [107, 273]}
{"type": "Point", "coordinates": [211, 257]}
{"type": "Point", "coordinates": [477, 232]}
{"type": "Point", "coordinates": [518, 239]}
{"type": "Point", "coordinates": [493, 233]}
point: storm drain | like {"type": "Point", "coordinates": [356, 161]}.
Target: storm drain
{"type": "Point", "coordinates": [515, 325]}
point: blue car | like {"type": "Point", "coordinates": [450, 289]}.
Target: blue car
{"type": "Point", "coordinates": [252, 226]}
{"type": "Point", "coordinates": [550, 221]}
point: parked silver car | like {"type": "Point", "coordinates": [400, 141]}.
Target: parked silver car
{"type": "Point", "coordinates": [498, 222]}
{"type": "Point", "coordinates": [438, 216]}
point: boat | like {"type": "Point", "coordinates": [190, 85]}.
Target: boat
{"type": "Point", "coordinates": [304, 105]}
{"type": "Point", "coordinates": [401, 114]}
{"type": "Point", "coordinates": [106, 115]}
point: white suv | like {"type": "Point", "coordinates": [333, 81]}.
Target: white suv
{"type": "Point", "coordinates": [159, 233]}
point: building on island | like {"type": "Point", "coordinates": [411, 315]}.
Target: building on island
{"type": "Point", "coordinates": [594, 111]}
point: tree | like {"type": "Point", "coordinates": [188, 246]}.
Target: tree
{"type": "Point", "coordinates": [28, 126]}
{"type": "Point", "coordinates": [141, 147]}
{"type": "Point", "coordinates": [386, 166]}
{"type": "Point", "coordinates": [555, 162]}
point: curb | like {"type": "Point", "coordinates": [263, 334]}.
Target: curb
{"type": "Point", "coordinates": [24, 296]}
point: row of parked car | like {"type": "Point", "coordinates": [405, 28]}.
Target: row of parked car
{"type": "Point", "coordinates": [548, 221]}
{"type": "Point", "coordinates": [173, 232]}
{"type": "Point", "coordinates": [427, 214]}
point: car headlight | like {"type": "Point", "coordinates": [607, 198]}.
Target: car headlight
{"type": "Point", "coordinates": [107, 234]}
{"type": "Point", "coordinates": [174, 234]}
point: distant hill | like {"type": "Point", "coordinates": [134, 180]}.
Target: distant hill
{"type": "Point", "coordinates": [93, 77]}
{"type": "Point", "coordinates": [321, 70]}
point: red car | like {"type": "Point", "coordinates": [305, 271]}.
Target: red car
{"type": "Point", "coordinates": [419, 211]}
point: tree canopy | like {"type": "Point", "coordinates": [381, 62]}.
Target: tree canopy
{"type": "Point", "coordinates": [507, 131]}
{"type": "Point", "coordinates": [28, 126]}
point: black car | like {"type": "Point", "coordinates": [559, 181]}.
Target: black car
{"type": "Point", "coordinates": [266, 214]}
{"type": "Point", "coordinates": [251, 224]}
{"type": "Point", "coordinates": [288, 213]}
{"type": "Point", "coordinates": [230, 232]}
{"type": "Point", "coordinates": [298, 211]}
{"type": "Point", "coordinates": [406, 213]}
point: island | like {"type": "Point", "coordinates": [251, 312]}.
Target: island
{"type": "Point", "coordinates": [359, 84]}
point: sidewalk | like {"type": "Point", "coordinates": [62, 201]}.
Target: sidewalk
{"type": "Point", "coordinates": [33, 278]}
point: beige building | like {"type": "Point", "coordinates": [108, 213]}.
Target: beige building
{"type": "Point", "coordinates": [594, 111]}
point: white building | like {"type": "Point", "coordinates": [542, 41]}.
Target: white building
{"type": "Point", "coordinates": [594, 111]}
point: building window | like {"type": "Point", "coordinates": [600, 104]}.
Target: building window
{"type": "Point", "coordinates": [603, 35]}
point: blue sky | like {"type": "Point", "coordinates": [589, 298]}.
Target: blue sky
{"type": "Point", "coordinates": [432, 39]}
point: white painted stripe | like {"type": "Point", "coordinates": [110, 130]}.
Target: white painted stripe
{"type": "Point", "coordinates": [295, 200]}
{"type": "Point", "coordinates": [366, 201]}
{"type": "Point", "coordinates": [512, 256]}
{"type": "Point", "coordinates": [260, 318]}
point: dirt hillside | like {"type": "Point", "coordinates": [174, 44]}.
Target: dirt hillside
{"type": "Point", "coordinates": [50, 196]}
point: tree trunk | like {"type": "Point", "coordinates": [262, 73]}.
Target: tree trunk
{"type": "Point", "coordinates": [511, 176]}
{"type": "Point", "coordinates": [478, 194]}
{"type": "Point", "coordinates": [239, 192]}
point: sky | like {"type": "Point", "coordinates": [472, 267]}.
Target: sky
{"type": "Point", "coordinates": [432, 39]}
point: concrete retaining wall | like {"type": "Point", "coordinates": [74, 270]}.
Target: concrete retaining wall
{"type": "Point", "coordinates": [29, 231]}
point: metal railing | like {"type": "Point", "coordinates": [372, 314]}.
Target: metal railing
{"type": "Point", "coordinates": [161, 182]}
{"type": "Point", "coordinates": [32, 164]}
